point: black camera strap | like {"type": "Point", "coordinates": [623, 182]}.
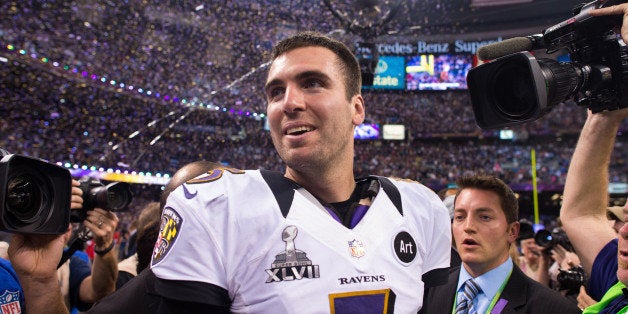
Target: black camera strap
{"type": "Point", "coordinates": [76, 243]}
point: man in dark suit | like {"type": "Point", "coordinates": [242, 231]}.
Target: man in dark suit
{"type": "Point", "coordinates": [484, 227]}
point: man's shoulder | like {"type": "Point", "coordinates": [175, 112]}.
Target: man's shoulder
{"type": "Point", "coordinates": [11, 294]}
{"type": "Point", "coordinates": [439, 299]}
{"type": "Point", "coordinates": [235, 178]}
{"type": "Point", "coordinates": [604, 271]}
{"type": "Point", "coordinates": [7, 273]}
{"type": "Point", "coordinates": [5, 264]}
{"type": "Point", "coordinates": [222, 175]}
{"type": "Point", "coordinates": [417, 199]}
{"type": "Point", "coordinates": [413, 189]}
{"type": "Point", "coordinates": [79, 268]}
{"type": "Point", "coordinates": [406, 183]}
{"type": "Point", "coordinates": [537, 297]}
{"type": "Point", "coordinates": [407, 188]}
{"type": "Point", "coordinates": [216, 183]}
{"type": "Point", "coordinates": [214, 202]}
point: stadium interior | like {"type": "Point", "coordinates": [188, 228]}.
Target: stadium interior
{"type": "Point", "coordinates": [133, 90]}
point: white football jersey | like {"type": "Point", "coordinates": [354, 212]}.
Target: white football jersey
{"type": "Point", "coordinates": [275, 249]}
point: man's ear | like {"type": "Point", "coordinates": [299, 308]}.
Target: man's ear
{"type": "Point", "coordinates": [359, 112]}
{"type": "Point", "coordinates": [513, 231]}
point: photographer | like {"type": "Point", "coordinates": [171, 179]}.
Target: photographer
{"type": "Point", "coordinates": [35, 259]}
{"type": "Point", "coordinates": [584, 206]}
{"type": "Point", "coordinates": [603, 254]}
{"type": "Point", "coordinates": [533, 261]}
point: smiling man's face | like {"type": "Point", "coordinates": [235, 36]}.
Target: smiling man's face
{"type": "Point", "coordinates": [311, 120]}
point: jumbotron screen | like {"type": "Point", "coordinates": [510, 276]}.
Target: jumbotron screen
{"type": "Point", "coordinates": [438, 72]}
{"type": "Point", "coordinates": [390, 73]}
{"type": "Point", "coordinates": [366, 131]}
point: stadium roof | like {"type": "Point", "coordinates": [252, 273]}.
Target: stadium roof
{"type": "Point", "coordinates": [455, 17]}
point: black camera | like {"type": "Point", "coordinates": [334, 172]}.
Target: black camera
{"type": "Point", "coordinates": [571, 279]}
{"type": "Point", "coordinates": [519, 88]}
{"type": "Point", "coordinates": [549, 240]}
{"type": "Point", "coordinates": [34, 195]}
{"type": "Point", "coordinates": [113, 197]}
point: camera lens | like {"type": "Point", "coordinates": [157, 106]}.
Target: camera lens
{"type": "Point", "coordinates": [24, 198]}
{"type": "Point", "coordinates": [561, 79]}
{"type": "Point", "coordinates": [118, 196]}
{"type": "Point", "coordinates": [114, 196]}
{"type": "Point", "coordinates": [514, 93]}
{"type": "Point", "coordinates": [543, 238]}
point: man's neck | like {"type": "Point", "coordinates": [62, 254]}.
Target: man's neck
{"type": "Point", "coordinates": [476, 270]}
{"type": "Point", "coordinates": [330, 188]}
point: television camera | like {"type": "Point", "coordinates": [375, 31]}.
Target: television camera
{"type": "Point", "coordinates": [35, 196]}
{"type": "Point", "coordinates": [516, 87]}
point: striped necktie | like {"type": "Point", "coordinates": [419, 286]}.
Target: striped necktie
{"type": "Point", "coordinates": [466, 296]}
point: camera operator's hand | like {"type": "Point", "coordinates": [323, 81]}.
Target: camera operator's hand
{"type": "Point", "coordinates": [76, 201]}
{"type": "Point", "coordinates": [564, 258]}
{"type": "Point", "coordinates": [34, 258]}
{"type": "Point", "coordinates": [584, 300]}
{"type": "Point", "coordinates": [545, 262]}
{"type": "Point", "coordinates": [616, 10]}
{"type": "Point", "coordinates": [36, 255]}
{"type": "Point", "coordinates": [103, 225]}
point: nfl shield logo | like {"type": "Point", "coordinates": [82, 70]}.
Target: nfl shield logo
{"type": "Point", "coordinates": [356, 248]}
{"type": "Point", "coordinates": [10, 302]}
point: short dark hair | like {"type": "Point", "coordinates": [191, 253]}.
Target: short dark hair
{"type": "Point", "coordinates": [348, 62]}
{"type": "Point", "coordinates": [526, 230]}
{"type": "Point", "coordinates": [507, 197]}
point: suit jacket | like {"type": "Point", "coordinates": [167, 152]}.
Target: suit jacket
{"type": "Point", "coordinates": [522, 294]}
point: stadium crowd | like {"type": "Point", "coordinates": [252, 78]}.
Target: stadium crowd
{"type": "Point", "coordinates": [169, 53]}
{"type": "Point", "coordinates": [442, 139]}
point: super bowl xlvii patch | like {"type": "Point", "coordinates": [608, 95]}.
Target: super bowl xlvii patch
{"type": "Point", "coordinates": [291, 264]}
{"type": "Point", "coordinates": [10, 302]}
{"type": "Point", "coordinates": [170, 226]}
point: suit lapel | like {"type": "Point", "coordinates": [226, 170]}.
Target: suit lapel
{"type": "Point", "coordinates": [515, 292]}
{"type": "Point", "coordinates": [450, 289]}
{"type": "Point", "coordinates": [440, 299]}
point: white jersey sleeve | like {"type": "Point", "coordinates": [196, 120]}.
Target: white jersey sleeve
{"type": "Point", "coordinates": [189, 246]}
{"type": "Point", "coordinates": [434, 226]}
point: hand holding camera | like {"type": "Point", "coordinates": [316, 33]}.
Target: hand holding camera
{"type": "Point", "coordinates": [102, 224]}
{"type": "Point", "coordinates": [565, 259]}
{"type": "Point", "coordinates": [620, 9]}
{"type": "Point", "coordinates": [37, 202]}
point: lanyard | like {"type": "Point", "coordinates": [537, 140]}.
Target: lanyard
{"type": "Point", "coordinates": [495, 298]}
